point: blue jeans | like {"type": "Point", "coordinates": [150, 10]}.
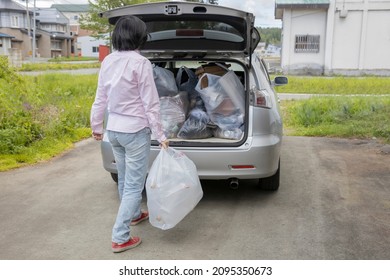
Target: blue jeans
{"type": "Point", "coordinates": [131, 151]}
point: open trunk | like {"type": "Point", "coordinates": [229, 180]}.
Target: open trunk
{"type": "Point", "coordinates": [202, 103]}
{"type": "Point", "coordinates": [185, 37]}
{"type": "Point", "coordinates": [229, 113]}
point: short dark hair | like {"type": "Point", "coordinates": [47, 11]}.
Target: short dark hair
{"type": "Point", "coordinates": [129, 34]}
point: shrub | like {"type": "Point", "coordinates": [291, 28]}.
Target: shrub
{"type": "Point", "coordinates": [340, 116]}
{"type": "Point", "coordinates": [17, 104]}
{"type": "Point", "coordinates": [51, 107]}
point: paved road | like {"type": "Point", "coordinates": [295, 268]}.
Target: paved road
{"type": "Point", "coordinates": [333, 203]}
{"type": "Point", "coordinates": [83, 71]}
{"type": "Point", "coordinates": [300, 96]}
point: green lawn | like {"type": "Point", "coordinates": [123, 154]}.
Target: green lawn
{"type": "Point", "coordinates": [337, 85]}
{"type": "Point", "coordinates": [42, 116]}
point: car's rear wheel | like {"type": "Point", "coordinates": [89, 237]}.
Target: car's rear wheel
{"type": "Point", "coordinates": [114, 177]}
{"type": "Point", "coordinates": [271, 183]}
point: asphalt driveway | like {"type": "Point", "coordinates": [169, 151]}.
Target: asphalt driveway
{"type": "Point", "coordinates": [333, 203]}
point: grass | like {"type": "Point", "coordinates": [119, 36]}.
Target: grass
{"type": "Point", "coordinates": [337, 85]}
{"type": "Point", "coordinates": [357, 117]}
{"type": "Point", "coordinates": [73, 59]}
{"type": "Point", "coordinates": [57, 66]}
{"type": "Point", "coordinates": [42, 150]}
{"type": "Point", "coordinates": [42, 116]}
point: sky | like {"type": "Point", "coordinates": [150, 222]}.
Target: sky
{"type": "Point", "coordinates": [262, 9]}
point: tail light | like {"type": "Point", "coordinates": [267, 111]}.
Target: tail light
{"type": "Point", "coordinates": [260, 98]}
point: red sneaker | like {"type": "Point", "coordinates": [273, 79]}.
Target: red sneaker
{"type": "Point", "coordinates": [143, 217]}
{"type": "Point", "coordinates": [133, 242]}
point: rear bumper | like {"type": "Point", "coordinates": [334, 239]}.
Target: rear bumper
{"type": "Point", "coordinates": [262, 152]}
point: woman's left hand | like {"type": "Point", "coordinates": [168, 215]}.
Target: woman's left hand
{"type": "Point", "coordinates": [97, 136]}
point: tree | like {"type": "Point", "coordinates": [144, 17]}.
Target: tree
{"type": "Point", "coordinates": [270, 35]}
{"type": "Point", "coordinates": [97, 25]}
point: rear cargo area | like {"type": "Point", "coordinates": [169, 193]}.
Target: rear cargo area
{"type": "Point", "coordinates": [202, 102]}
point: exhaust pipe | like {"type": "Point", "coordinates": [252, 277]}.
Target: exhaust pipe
{"type": "Point", "coordinates": [233, 183]}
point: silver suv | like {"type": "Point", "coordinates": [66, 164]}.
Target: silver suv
{"type": "Point", "coordinates": [218, 105]}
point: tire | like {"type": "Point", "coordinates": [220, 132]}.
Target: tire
{"type": "Point", "coordinates": [114, 177]}
{"type": "Point", "coordinates": [271, 183]}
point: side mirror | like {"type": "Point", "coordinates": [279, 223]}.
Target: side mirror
{"type": "Point", "coordinates": [280, 81]}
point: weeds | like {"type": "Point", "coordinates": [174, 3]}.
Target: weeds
{"type": "Point", "coordinates": [363, 117]}
{"type": "Point", "coordinates": [75, 58]}
{"type": "Point", "coordinates": [41, 116]}
{"type": "Point", "coordinates": [57, 66]}
{"type": "Point", "coordinates": [337, 85]}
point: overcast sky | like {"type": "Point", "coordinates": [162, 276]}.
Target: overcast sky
{"type": "Point", "coordinates": [263, 9]}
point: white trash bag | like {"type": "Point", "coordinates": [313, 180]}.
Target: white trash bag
{"type": "Point", "coordinates": [173, 188]}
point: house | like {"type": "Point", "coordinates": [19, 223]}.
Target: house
{"type": "Point", "coordinates": [327, 37]}
{"type": "Point", "coordinates": [52, 34]}
{"type": "Point", "coordinates": [83, 44]}
{"type": "Point", "coordinates": [273, 50]}
{"type": "Point", "coordinates": [15, 22]}
{"type": "Point", "coordinates": [260, 49]}
{"type": "Point", "coordinates": [5, 44]}
{"type": "Point", "coordinates": [73, 12]}
{"type": "Point", "coordinates": [54, 28]}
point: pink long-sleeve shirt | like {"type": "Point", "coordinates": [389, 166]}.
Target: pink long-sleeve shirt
{"type": "Point", "coordinates": [126, 87]}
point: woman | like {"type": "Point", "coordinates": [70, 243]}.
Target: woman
{"type": "Point", "coordinates": [126, 88]}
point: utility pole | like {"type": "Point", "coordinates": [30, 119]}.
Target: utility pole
{"type": "Point", "coordinates": [33, 44]}
{"type": "Point", "coordinates": [34, 32]}
{"type": "Point", "coordinates": [29, 29]}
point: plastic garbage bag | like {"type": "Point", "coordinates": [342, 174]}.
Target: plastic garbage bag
{"type": "Point", "coordinates": [173, 188]}
{"type": "Point", "coordinates": [223, 99]}
{"type": "Point", "coordinates": [186, 79]}
{"type": "Point", "coordinates": [211, 91]}
{"type": "Point", "coordinates": [215, 90]}
{"type": "Point", "coordinates": [229, 122]}
{"type": "Point", "coordinates": [196, 125]}
{"type": "Point", "coordinates": [233, 87]}
{"type": "Point", "coordinates": [173, 111]}
{"type": "Point", "coordinates": [234, 134]}
{"type": "Point", "coordinates": [165, 81]}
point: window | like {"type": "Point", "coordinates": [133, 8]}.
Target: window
{"type": "Point", "coordinates": [76, 17]}
{"type": "Point", "coordinates": [56, 45]}
{"type": "Point", "coordinates": [14, 21]}
{"type": "Point", "coordinates": [60, 28]}
{"type": "Point", "coordinates": [46, 26]}
{"type": "Point", "coordinates": [196, 28]}
{"type": "Point", "coordinates": [307, 43]}
{"type": "Point", "coordinates": [95, 49]}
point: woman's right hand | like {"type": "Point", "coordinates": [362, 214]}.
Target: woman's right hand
{"type": "Point", "coordinates": [165, 144]}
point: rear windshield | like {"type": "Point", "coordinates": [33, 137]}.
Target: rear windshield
{"type": "Point", "coordinates": [194, 35]}
{"type": "Point", "coordinates": [196, 28]}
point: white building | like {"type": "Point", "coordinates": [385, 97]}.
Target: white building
{"type": "Point", "coordinates": [273, 51]}
{"type": "Point", "coordinates": [89, 46]}
{"type": "Point", "coordinates": [348, 37]}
